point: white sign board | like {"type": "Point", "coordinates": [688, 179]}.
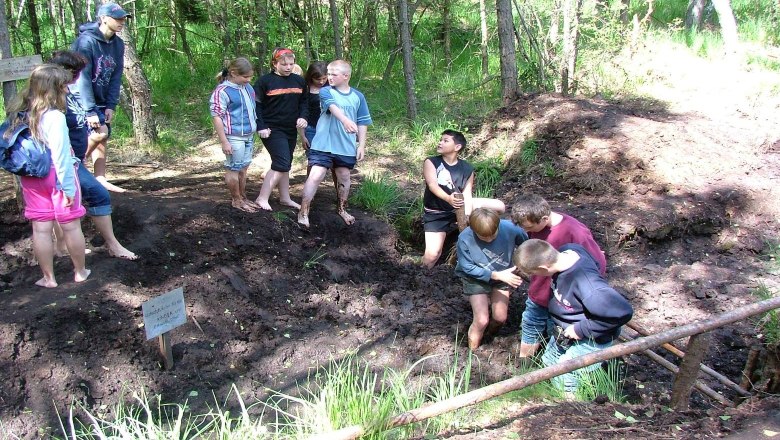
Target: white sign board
{"type": "Point", "coordinates": [164, 313]}
{"type": "Point", "coordinates": [18, 68]}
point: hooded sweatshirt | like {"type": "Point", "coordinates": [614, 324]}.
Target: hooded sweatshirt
{"type": "Point", "coordinates": [99, 82]}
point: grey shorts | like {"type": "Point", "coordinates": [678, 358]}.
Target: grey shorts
{"type": "Point", "coordinates": [473, 286]}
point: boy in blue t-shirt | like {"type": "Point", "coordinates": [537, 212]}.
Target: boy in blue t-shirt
{"type": "Point", "coordinates": [340, 140]}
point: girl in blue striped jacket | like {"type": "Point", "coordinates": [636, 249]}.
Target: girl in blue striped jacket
{"type": "Point", "coordinates": [232, 107]}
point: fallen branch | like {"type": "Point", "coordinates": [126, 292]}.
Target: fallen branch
{"type": "Point", "coordinates": [134, 165]}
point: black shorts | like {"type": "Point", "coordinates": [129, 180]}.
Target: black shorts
{"type": "Point", "coordinates": [440, 221]}
{"type": "Point", "coordinates": [280, 145]}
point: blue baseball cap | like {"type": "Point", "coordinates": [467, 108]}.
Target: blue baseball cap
{"type": "Point", "coordinates": [112, 10]}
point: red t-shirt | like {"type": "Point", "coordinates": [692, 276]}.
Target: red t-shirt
{"type": "Point", "coordinates": [569, 230]}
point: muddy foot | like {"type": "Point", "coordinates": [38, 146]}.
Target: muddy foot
{"type": "Point", "coordinates": [303, 220]}
{"type": "Point", "coordinates": [252, 204]}
{"type": "Point", "coordinates": [290, 203]}
{"type": "Point", "coordinates": [45, 282]}
{"type": "Point", "coordinates": [108, 185]}
{"type": "Point", "coordinates": [82, 276]}
{"type": "Point", "coordinates": [122, 253]}
{"type": "Point", "coordinates": [239, 204]}
{"type": "Point", "coordinates": [347, 217]}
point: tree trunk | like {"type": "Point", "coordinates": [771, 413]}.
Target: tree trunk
{"type": "Point", "coordinates": [571, 15]}
{"type": "Point", "coordinates": [371, 31]}
{"type": "Point", "coordinates": [262, 31]}
{"type": "Point", "coordinates": [694, 15]}
{"type": "Point", "coordinates": [446, 32]}
{"type": "Point", "coordinates": [404, 20]}
{"type": "Point", "coordinates": [178, 25]}
{"type": "Point", "coordinates": [689, 371]}
{"type": "Point", "coordinates": [483, 46]}
{"type": "Point", "coordinates": [347, 26]}
{"type": "Point", "coordinates": [728, 24]}
{"type": "Point", "coordinates": [334, 18]}
{"type": "Point", "coordinates": [9, 90]}
{"type": "Point", "coordinates": [506, 42]}
{"type": "Point", "coordinates": [143, 120]}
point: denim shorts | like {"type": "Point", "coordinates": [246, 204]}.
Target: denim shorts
{"type": "Point", "coordinates": [536, 321]}
{"type": "Point", "coordinates": [330, 160]}
{"type": "Point", "coordinates": [473, 286]}
{"type": "Point", "coordinates": [555, 354]}
{"type": "Point", "coordinates": [94, 196]}
{"type": "Point", "coordinates": [243, 149]}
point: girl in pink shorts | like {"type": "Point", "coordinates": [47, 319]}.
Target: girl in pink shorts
{"type": "Point", "coordinates": [57, 196]}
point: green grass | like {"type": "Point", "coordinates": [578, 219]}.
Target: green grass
{"type": "Point", "coordinates": [487, 176]}
{"type": "Point", "coordinates": [603, 381]}
{"type": "Point", "coordinates": [768, 325]}
{"type": "Point", "coordinates": [378, 194]}
{"type": "Point", "coordinates": [315, 258]}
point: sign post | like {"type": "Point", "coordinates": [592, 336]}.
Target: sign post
{"type": "Point", "coordinates": [161, 315]}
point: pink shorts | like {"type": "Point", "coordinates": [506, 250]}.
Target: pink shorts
{"type": "Point", "coordinates": [46, 203]}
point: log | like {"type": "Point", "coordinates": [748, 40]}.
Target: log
{"type": "Point", "coordinates": [680, 354]}
{"type": "Point", "coordinates": [460, 213]}
{"type": "Point", "coordinates": [689, 371]}
{"type": "Point", "coordinates": [749, 372]}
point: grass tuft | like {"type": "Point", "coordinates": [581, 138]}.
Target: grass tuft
{"type": "Point", "coordinates": [378, 194]}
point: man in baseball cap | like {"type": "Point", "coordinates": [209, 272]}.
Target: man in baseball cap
{"type": "Point", "coordinates": [112, 10]}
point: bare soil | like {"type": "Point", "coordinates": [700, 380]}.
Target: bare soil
{"type": "Point", "coordinates": [683, 198]}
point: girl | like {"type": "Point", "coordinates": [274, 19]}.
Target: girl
{"type": "Point", "coordinates": [281, 110]}
{"type": "Point", "coordinates": [55, 197]}
{"type": "Point", "coordinates": [95, 195]}
{"type": "Point", "coordinates": [316, 77]}
{"type": "Point", "coordinates": [233, 113]}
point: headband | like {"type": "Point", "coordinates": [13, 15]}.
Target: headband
{"type": "Point", "coordinates": [281, 52]}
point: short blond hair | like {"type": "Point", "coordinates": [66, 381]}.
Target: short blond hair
{"type": "Point", "coordinates": [344, 66]}
{"type": "Point", "coordinates": [533, 254]}
{"type": "Point", "coordinates": [484, 222]}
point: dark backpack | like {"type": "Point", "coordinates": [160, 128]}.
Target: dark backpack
{"type": "Point", "coordinates": [21, 154]}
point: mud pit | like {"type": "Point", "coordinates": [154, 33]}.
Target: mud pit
{"type": "Point", "coordinates": [682, 204]}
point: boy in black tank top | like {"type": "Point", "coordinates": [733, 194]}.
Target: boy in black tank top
{"type": "Point", "coordinates": [444, 176]}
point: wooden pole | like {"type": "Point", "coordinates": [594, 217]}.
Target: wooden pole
{"type": "Point", "coordinates": [534, 377]}
{"type": "Point", "coordinates": [689, 370]}
{"type": "Point", "coordinates": [460, 213]}
{"type": "Point", "coordinates": [748, 373]}
{"type": "Point", "coordinates": [680, 354]}
{"type": "Point", "coordinates": [166, 350]}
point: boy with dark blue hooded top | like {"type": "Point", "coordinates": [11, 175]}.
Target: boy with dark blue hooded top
{"type": "Point", "coordinates": [99, 83]}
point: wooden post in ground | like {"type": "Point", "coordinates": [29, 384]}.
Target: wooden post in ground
{"type": "Point", "coordinates": [689, 370]}
{"type": "Point", "coordinates": [460, 213]}
{"type": "Point", "coordinates": [166, 350]}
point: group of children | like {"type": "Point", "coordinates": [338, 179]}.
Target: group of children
{"type": "Point", "coordinates": [331, 120]}
{"type": "Point", "coordinates": [568, 298]}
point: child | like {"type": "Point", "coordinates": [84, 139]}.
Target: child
{"type": "Point", "coordinates": [99, 85]}
{"type": "Point", "coordinates": [55, 197]}
{"type": "Point", "coordinates": [95, 196]}
{"type": "Point", "coordinates": [316, 77]}
{"type": "Point", "coordinates": [587, 312]}
{"type": "Point", "coordinates": [484, 258]}
{"type": "Point", "coordinates": [446, 175]}
{"type": "Point", "coordinates": [233, 112]}
{"type": "Point", "coordinates": [281, 111]}
{"type": "Point", "coordinates": [340, 141]}
{"type": "Point", "coordinates": [533, 214]}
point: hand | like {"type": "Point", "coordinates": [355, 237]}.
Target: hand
{"type": "Point", "coordinates": [68, 201]}
{"type": "Point", "coordinates": [305, 143]}
{"type": "Point", "coordinates": [349, 126]}
{"type": "Point", "coordinates": [264, 133]}
{"type": "Point", "coordinates": [508, 276]}
{"type": "Point", "coordinates": [456, 202]}
{"type": "Point", "coordinates": [109, 115]}
{"type": "Point", "coordinates": [570, 333]}
{"type": "Point", "coordinates": [227, 148]}
{"type": "Point", "coordinates": [93, 121]}
{"type": "Point", "coordinates": [361, 153]}
{"type": "Point", "coordinates": [301, 123]}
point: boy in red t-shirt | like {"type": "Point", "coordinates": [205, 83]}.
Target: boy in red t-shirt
{"type": "Point", "coordinates": [533, 214]}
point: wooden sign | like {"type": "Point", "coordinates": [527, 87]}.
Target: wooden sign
{"type": "Point", "coordinates": [12, 69]}
{"type": "Point", "coordinates": [164, 313]}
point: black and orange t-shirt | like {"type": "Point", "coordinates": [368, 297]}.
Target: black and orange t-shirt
{"type": "Point", "coordinates": [281, 100]}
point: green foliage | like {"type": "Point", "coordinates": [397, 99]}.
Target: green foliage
{"type": "Point", "coordinates": [315, 258]}
{"type": "Point", "coordinates": [603, 381]}
{"type": "Point", "coordinates": [768, 325]}
{"type": "Point", "coordinates": [408, 221]}
{"type": "Point", "coordinates": [377, 194]}
{"type": "Point", "coordinates": [487, 176]}
{"type": "Point", "coordinates": [528, 153]}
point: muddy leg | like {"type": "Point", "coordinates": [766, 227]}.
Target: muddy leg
{"type": "Point", "coordinates": [480, 307]}
{"type": "Point", "coordinates": [309, 190]}
{"type": "Point", "coordinates": [342, 176]}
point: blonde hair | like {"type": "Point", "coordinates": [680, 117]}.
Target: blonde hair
{"type": "Point", "coordinates": [344, 66]}
{"type": "Point", "coordinates": [44, 91]}
{"type": "Point", "coordinates": [239, 66]}
{"type": "Point", "coordinates": [533, 254]}
{"type": "Point", "coordinates": [484, 222]}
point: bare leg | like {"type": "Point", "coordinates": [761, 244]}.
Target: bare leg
{"type": "Point", "coordinates": [528, 350]}
{"type": "Point", "coordinates": [499, 304]}
{"type": "Point", "coordinates": [342, 189]}
{"type": "Point", "coordinates": [434, 242]}
{"type": "Point", "coordinates": [60, 249]}
{"type": "Point", "coordinates": [480, 308]}
{"type": "Point", "coordinates": [43, 248]}
{"type": "Point", "coordinates": [96, 149]}
{"type": "Point", "coordinates": [242, 189]}
{"type": "Point", "coordinates": [316, 175]}
{"type": "Point", "coordinates": [74, 239]}
{"type": "Point", "coordinates": [284, 191]}
{"type": "Point", "coordinates": [232, 181]}
{"type": "Point", "coordinates": [105, 226]}
{"type": "Point", "coordinates": [269, 183]}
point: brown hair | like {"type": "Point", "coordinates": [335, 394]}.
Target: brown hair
{"type": "Point", "coordinates": [484, 222]}
{"type": "Point", "coordinates": [44, 91]}
{"type": "Point", "coordinates": [71, 60]}
{"type": "Point", "coordinates": [533, 254]}
{"type": "Point", "coordinates": [278, 54]}
{"type": "Point", "coordinates": [317, 69]}
{"type": "Point", "coordinates": [239, 66]}
{"type": "Point", "coordinates": [531, 208]}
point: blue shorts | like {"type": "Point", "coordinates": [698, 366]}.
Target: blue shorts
{"type": "Point", "coordinates": [473, 286]}
{"type": "Point", "coordinates": [536, 321]}
{"type": "Point", "coordinates": [243, 149]}
{"type": "Point", "coordinates": [93, 195]}
{"type": "Point", "coordinates": [280, 145]}
{"type": "Point", "coordinates": [101, 114]}
{"type": "Point", "coordinates": [330, 160]}
{"type": "Point", "coordinates": [309, 134]}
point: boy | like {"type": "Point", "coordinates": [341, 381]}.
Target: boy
{"type": "Point", "coordinates": [587, 312]}
{"type": "Point", "coordinates": [340, 141]}
{"type": "Point", "coordinates": [533, 214]}
{"type": "Point", "coordinates": [99, 83]}
{"type": "Point", "coordinates": [484, 258]}
{"type": "Point", "coordinates": [448, 186]}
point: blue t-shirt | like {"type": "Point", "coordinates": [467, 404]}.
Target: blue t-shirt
{"type": "Point", "coordinates": [331, 136]}
{"type": "Point", "coordinates": [479, 259]}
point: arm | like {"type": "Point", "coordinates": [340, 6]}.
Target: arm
{"type": "Point", "coordinates": [361, 140]}
{"type": "Point", "coordinates": [304, 141]}
{"type": "Point", "coordinates": [466, 261]}
{"type": "Point", "coordinates": [84, 82]}
{"type": "Point", "coordinates": [468, 198]}
{"type": "Point", "coordinates": [55, 131]}
{"type": "Point", "coordinates": [303, 108]}
{"type": "Point", "coordinates": [260, 91]}
{"type": "Point", "coordinates": [349, 125]}
{"type": "Point", "coordinates": [220, 129]}
{"type": "Point", "coordinates": [429, 174]}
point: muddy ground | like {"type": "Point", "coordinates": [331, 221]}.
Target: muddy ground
{"type": "Point", "coordinates": [683, 199]}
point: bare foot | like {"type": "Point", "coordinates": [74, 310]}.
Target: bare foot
{"type": "Point", "coordinates": [65, 253]}
{"type": "Point", "coordinates": [347, 217]}
{"type": "Point", "coordinates": [108, 185]}
{"type": "Point", "coordinates": [239, 204]}
{"type": "Point", "coordinates": [82, 276]}
{"type": "Point", "coordinates": [45, 282]}
{"type": "Point", "coordinates": [303, 220]}
{"type": "Point", "coordinates": [122, 253]}
{"type": "Point", "coordinates": [290, 203]}
{"type": "Point", "coordinates": [263, 204]}
{"type": "Point", "coordinates": [251, 203]}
